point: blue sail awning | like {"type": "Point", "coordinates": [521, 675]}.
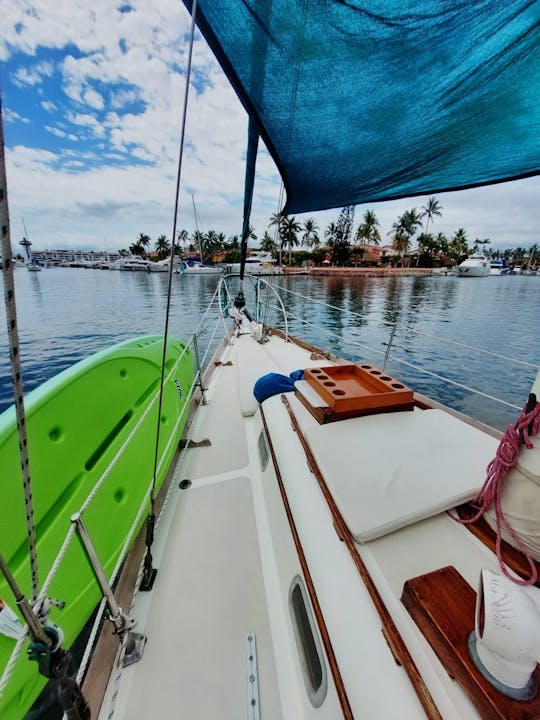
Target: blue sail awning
{"type": "Point", "coordinates": [360, 101]}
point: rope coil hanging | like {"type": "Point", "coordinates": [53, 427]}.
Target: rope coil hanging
{"type": "Point", "coordinates": [490, 493]}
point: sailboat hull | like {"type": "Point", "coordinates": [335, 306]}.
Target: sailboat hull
{"type": "Point", "coordinates": [77, 424]}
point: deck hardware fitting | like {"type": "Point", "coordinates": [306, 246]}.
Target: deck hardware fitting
{"type": "Point", "coordinates": [122, 623]}
{"type": "Point", "coordinates": [199, 370]}
{"type": "Point", "coordinates": [252, 678]}
{"type": "Point", "coordinates": [195, 444]}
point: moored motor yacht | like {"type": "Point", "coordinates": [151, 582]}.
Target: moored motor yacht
{"type": "Point", "coordinates": [199, 268]}
{"type": "Point", "coordinates": [497, 267]}
{"type": "Point", "coordinates": [257, 263]}
{"type": "Point", "coordinates": [474, 266]}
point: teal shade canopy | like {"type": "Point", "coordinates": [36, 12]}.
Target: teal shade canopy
{"type": "Point", "coordinates": [367, 100]}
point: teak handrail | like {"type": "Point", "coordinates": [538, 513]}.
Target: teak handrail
{"type": "Point", "coordinates": [390, 630]}
{"type": "Point", "coordinates": [325, 635]}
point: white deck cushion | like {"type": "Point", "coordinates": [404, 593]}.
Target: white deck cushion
{"type": "Point", "coordinates": [389, 470]}
{"type": "Point", "coordinates": [252, 363]}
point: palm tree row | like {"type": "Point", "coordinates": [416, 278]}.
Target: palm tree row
{"type": "Point", "coordinates": [341, 242]}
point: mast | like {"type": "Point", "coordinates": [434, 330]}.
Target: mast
{"type": "Point", "coordinates": [197, 227]}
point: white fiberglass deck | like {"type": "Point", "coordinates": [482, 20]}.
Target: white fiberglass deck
{"type": "Point", "coordinates": [226, 563]}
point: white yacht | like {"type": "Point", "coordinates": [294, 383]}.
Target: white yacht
{"type": "Point", "coordinates": [131, 264]}
{"type": "Point", "coordinates": [497, 266]}
{"type": "Point", "coordinates": [199, 268]}
{"type": "Point", "coordinates": [257, 262]}
{"type": "Point", "coordinates": [162, 266]}
{"type": "Point", "coordinates": [474, 266]}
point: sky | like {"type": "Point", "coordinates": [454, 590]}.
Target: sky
{"type": "Point", "coordinates": [92, 97]}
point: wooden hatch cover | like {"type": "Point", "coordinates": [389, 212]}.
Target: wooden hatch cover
{"type": "Point", "coordinates": [443, 604]}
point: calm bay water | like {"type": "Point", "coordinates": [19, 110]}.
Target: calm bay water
{"type": "Point", "coordinates": [67, 314]}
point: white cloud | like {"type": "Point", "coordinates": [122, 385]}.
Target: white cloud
{"type": "Point", "coordinates": [55, 131]}
{"type": "Point", "coordinates": [131, 61]}
{"type": "Point", "coordinates": [29, 76]}
{"type": "Point", "coordinates": [12, 116]}
{"type": "Point", "coordinates": [49, 106]}
{"type": "Point", "coordinates": [93, 99]}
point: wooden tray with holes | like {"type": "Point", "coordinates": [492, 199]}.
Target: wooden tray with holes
{"type": "Point", "coordinates": [355, 388]}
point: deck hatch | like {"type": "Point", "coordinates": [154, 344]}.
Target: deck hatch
{"type": "Point", "coordinates": [308, 644]}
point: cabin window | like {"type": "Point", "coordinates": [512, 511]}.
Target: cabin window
{"type": "Point", "coordinates": [263, 450]}
{"type": "Point", "coordinates": [307, 643]}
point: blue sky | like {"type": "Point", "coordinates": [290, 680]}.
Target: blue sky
{"type": "Point", "coordinates": [91, 99]}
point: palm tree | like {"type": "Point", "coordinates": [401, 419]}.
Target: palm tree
{"type": "Point", "coordinates": [458, 247]}
{"type": "Point", "coordinates": [182, 236]}
{"type": "Point", "coordinates": [136, 249]}
{"type": "Point", "coordinates": [310, 238]}
{"type": "Point", "coordinates": [143, 242]}
{"type": "Point", "coordinates": [163, 247]}
{"type": "Point", "coordinates": [403, 230]}
{"type": "Point", "coordinates": [198, 239]}
{"type": "Point", "coordinates": [431, 209]}
{"type": "Point", "coordinates": [330, 233]}
{"type": "Point", "coordinates": [290, 227]}
{"type": "Point", "coordinates": [367, 231]}
{"type": "Point", "coordinates": [267, 243]}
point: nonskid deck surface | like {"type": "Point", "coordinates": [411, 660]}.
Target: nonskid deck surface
{"type": "Point", "coordinates": [209, 594]}
{"type": "Point", "coordinates": [213, 588]}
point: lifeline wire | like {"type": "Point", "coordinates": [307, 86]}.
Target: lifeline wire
{"type": "Point", "coordinates": [16, 372]}
{"type": "Point", "coordinates": [175, 221]}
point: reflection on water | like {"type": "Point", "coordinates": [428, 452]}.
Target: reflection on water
{"type": "Point", "coordinates": [67, 314]}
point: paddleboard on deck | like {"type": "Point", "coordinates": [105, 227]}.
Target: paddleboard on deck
{"type": "Point", "coordinates": [76, 424]}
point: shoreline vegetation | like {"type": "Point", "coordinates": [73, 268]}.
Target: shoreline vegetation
{"type": "Point", "coordinates": [411, 247]}
{"type": "Point", "coordinates": [410, 243]}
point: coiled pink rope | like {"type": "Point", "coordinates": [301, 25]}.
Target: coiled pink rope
{"type": "Point", "coordinates": [491, 491]}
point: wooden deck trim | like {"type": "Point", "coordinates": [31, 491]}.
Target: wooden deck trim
{"type": "Point", "coordinates": [443, 605]}
{"type": "Point", "coordinates": [390, 630]}
{"type": "Point", "coordinates": [325, 635]}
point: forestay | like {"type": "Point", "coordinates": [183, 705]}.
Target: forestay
{"type": "Point", "coordinates": [372, 100]}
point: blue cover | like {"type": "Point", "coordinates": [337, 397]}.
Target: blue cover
{"type": "Point", "coordinates": [274, 384]}
{"type": "Point", "coordinates": [363, 100]}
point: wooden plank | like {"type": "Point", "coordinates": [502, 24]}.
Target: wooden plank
{"type": "Point", "coordinates": [327, 414]}
{"type": "Point", "coordinates": [393, 637]}
{"type": "Point", "coordinates": [319, 617]}
{"type": "Point", "coordinates": [442, 604]}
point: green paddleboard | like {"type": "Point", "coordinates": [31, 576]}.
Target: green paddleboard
{"type": "Point", "coordinates": [76, 424]}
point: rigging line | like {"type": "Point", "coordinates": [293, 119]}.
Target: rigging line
{"type": "Point", "coordinates": [407, 364]}
{"type": "Point", "coordinates": [123, 553]}
{"type": "Point", "coordinates": [472, 347]}
{"type": "Point", "coordinates": [175, 221]}
{"type": "Point", "coordinates": [4, 679]}
{"type": "Point", "coordinates": [410, 329]}
{"type": "Point", "coordinates": [172, 486]}
{"type": "Point", "coordinates": [16, 370]}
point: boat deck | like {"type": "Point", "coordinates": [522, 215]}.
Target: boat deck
{"type": "Point", "coordinates": [226, 560]}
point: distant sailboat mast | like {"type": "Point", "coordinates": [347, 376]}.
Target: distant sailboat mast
{"type": "Point", "coordinates": [25, 242]}
{"type": "Point", "coordinates": [197, 228]}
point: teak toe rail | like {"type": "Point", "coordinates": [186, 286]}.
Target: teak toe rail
{"type": "Point", "coordinates": [390, 631]}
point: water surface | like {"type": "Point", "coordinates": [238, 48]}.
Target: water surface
{"type": "Point", "coordinates": [67, 314]}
